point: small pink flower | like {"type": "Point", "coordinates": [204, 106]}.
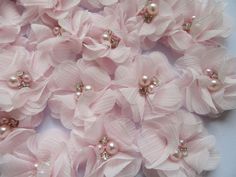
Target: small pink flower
{"type": "Point", "coordinates": [106, 148]}
{"type": "Point", "coordinates": [208, 80]}
{"type": "Point", "coordinates": [23, 79]}
{"type": "Point", "coordinates": [148, 86]}
{"type": "Point", "coordinates": [79, 93]}
{"type": "Point", "coordinates": [108, 40]}
{"type": "Point", "coordinates": [182, 146]}
{"type": "Point", "coordinates": [56, 9]}
{"type": "Point", "coordinates": [42, 155]}
{"type": "Point", "coordinates": [13, 131]}
{"type": "Point", "coordinates": [198, 22]}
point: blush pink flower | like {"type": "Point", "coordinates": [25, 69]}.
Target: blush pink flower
{"type": "Point", "coordinates": [14, 131]}
{"type": "Point", "coordinates": [56, 9]}
{"type": "Point", "coordinates": [180, 146]}
{"type": "Point", "coordinates": [80, 92]}
{"type": "Point", "coordinates": [198, 22]}
{"type": "Point", "coordinates": [24, 76]}
{"type": "Point", "coordinates": [93, 156]}
{"type": "Point", "coordinates": [208, 80]}
{"type": "Point", "coordinates": [148, 86]}
{"type": "Point", "coordinates": [154, 23]}
{"type": "Point", "coordinates": [43, 155]}
{"type": "Point", "coordinates": [108, 40]}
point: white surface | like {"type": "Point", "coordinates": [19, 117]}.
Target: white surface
{"type": "Point", "coordinates": [224, 129]}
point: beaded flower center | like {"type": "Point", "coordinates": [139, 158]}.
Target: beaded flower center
{"type": "Point", "coordinates": [188, 24]}
{"type": "Point", "coordinates": [147, 85]}
{"type": "Point", "coordinates": [110, 39]}
{"type": "Point", "coordinates": [6, 125]}
{"type": "Point", "coordinates": [181, 151]}
{"type": "Point", "coordinates": [80, 88]}
{"type": "Point", "coordinates": [57, 31]}
{"type": "Point", "coordinates": [215, 84]}
{"type": "Point", "coordinates": [20, 80]}
{"type": "Point", "coordinates": [149, 12]}
{"type": "Point", "coordinates": [107, 148]}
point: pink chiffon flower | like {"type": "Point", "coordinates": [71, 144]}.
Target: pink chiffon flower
{"type": "Point", "coordinates": [80, 93]}
{"type": "Point", "coordinates": [154, 18]}
{"type": "Point", "coordinates": [177, 145]}
{"type": "Point", "coordinates": [56, 9]}
{"type": "Point", "coordinates": [43, 155]}
{"type": "Point", "coordinates": [108, 41]}
{"type": "Point", "coordinates": [148, 86]}
{"type": "Point", "coordinates": [208, 80]}
{"type": "Point", "coordinates": [198, 22]}
{"type": "Point", "coordinates": [24, 76]}
{"type": "Point", "coordinates": [13, 131]}
{"type": "Point", "coordinates": [106, 149]}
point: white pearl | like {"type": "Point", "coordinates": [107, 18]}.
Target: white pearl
{"type": "Point", "coordinates": [176, 156]}
{"type": "Point", "coordinates": [100, 148]}
{"type": "Point", "coordinates": [152, 8]}
{"type": "Point", "coordinates": [26, 78]}
{"type": "Point", "coordinates": [4, 131]}
{"type": "Point", "coordinates": [112, 147]}
{"type": "Point", "coordinates": [88, 88]}
{"type": "Point", "coordinates": [105, 37]}
{"type": "Point", "coordinates": [144, 81]}
{"type": "Point", "coordinates": [215, 85]}
{"type": "Point", "coordinates": [13, 82]}
{"type": "Point", "coordinates": [209, 72]}
{"type": "Point", "coordinates": [151, 88]}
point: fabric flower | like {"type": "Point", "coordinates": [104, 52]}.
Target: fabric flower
{"type": "Point", "coordinates": [178, 145]}
{"type": "Point", "coordinates": [56, 9]}
{"type": "Point", "coordinates": [198, 22]}
{"type": "Point", "coordinates": [24, 76]}
{"type": "Point", "coordinates": [79, 93]}
{"type": "Point", "coordinates": [208, 80]}
{"type": "Point", "coordinates": [13, 131]}
{"type": "Point", "coordinates": [108, 40]}
{"type": "Point", "coordinates": [43, 155]}
{"type": "Point", "coordinates": [148, 86]}
{"type": "Point", "coordinates": [105, 149]}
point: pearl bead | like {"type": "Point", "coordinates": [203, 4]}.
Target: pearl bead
{"type": "Point", "coordinates": [215, 85]}
{"type": "Point", "coordinates": [112, 147]}
{"type": "Point", "coordinates": [144, 81]}
{"type": "Point", "coordinates": [176, 156]}
{"type": "Point", "coordinates": [209, 72]}
{"type": "Point", "coordinates": [151, 88]}
{"type": "Point", "coordinates": [4, 131]}
{"type": "Point", "coordinates": [100, 148]}
{"type": "Point", "coordinates": [78, 94]}
{"type": "Point", "coordinates": [13, 82]}
{"type": "Point", "coordinates": [26, 78]}
{"type": "Point", "coordinates": [56, 30]}
{"type": "Point", "coordinates": [105, 37]}
{"type": "Point", "coordinates": [88, 88]}
{"type": "Point", "coordinates": [152, 8]}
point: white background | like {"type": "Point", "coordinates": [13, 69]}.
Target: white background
{"type": "Point", "coordinates": [224, 128]}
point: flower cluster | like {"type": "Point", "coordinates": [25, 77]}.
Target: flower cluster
{"type": "Point", "coordinates": [97, 66]}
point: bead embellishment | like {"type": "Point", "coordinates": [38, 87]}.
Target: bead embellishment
{"type": "Point", "coordinates": [110, 39]}
{"type": "Point", "coordinates": [19, 80]}
{"type": "Point", "coordinates": [57, 31]}
{"type": "Point", "coordinates": [147, 85]}
{"type": "Point", "coordinates": [149, 12]}
{"type": "Point", "coordinates": [181, 152]}
{"type": "Point", "coordinates": [188, 24]}
{"type": "Point", "coordinates": [6, 125]}
{"type": "Point", "coordinates": [42, 169]}
{"type": "Point", "coordinates": [80, 88]}
{"type": "Point", "coordinates": [215, 84]}
{"type": "Point", "coordinates": [107, 148]}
